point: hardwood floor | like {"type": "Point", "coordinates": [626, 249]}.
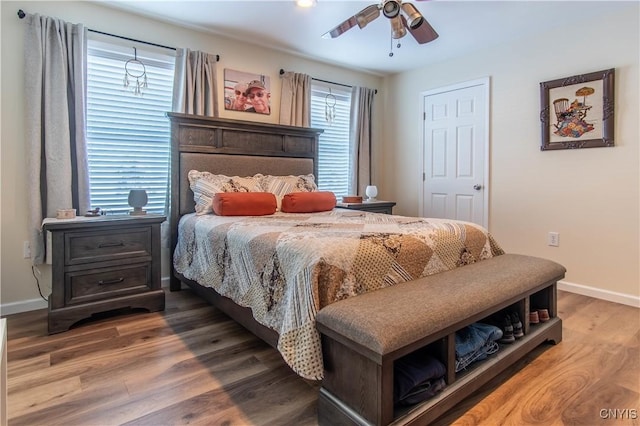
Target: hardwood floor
{"type": "Point", "coordinates": [192, 365]}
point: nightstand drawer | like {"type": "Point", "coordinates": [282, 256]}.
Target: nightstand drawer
{"type": "Point", "coordinates": [106, 283]}
{"type": "Point", "coordinates": [98, 246]}
{"type": "Point", "coordinates": [385, 207]}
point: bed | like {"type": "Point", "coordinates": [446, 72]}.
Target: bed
{"type": "Point", "coordinates": [308, 260]}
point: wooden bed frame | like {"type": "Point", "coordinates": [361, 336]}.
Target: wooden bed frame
{"type": "Point", "coordinates": [243, 148]}
{"type": "Point", "coordinates": [232, 147]}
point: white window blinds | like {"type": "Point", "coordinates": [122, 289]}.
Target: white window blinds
{"type": "Point", "coordinates": [333, 146]}
{"type": "Point", "coordinates": [128, 136]}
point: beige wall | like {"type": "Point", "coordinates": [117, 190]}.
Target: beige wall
{"type": "Point", "coordinates": [18, 284]}
{"type": "Point", "coordinates": [589, 196]}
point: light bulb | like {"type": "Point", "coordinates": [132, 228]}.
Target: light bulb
{"type": "Point", "coordinates": [306, 3]}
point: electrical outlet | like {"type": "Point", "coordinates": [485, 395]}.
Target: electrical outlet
{"type": "Point", "coordinates": [26, 250]}
{"type": "Point", "coordinates": [553, 239]}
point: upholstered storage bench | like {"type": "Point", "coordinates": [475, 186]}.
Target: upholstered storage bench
{"type": "Point", "coordinates": [363, 336]}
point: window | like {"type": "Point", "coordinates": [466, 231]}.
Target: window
{"type": "Point", "coordinates": [128, 136]}
{"type": "Point", "coordinates": [333, 146]}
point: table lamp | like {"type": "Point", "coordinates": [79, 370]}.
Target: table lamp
{"type": "Point", "coordinates": [372, 192]}
{"type": "Point", "coordinates": [137, 199]}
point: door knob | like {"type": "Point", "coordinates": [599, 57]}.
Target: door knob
{"type": "Point", "coordinates": [477, 187]}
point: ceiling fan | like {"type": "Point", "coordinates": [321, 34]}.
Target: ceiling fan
{"type": "Point", "coordinates": [403, 17]}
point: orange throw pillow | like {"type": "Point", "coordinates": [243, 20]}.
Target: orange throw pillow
{"type": "Point", "coordinates": [244, 203]}
{"type": "Point", "coordinates": [308, 202]}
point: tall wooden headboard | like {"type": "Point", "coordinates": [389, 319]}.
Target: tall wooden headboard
{"type": "Point", "coordinates": [233, 147]}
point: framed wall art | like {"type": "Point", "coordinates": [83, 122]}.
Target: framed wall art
{"type": "Point", "coordinates": [247, 92]}
{"type": "Point", "coordinates": [578, 111]}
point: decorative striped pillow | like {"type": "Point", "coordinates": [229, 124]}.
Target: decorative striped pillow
{"type": "Point", "coordinates": [283, 185]}
{"type": "Point", "coordinates": [205, 185]}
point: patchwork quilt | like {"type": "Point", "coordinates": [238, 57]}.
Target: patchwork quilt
{"type": "Point", "coordinates": [288, 266]}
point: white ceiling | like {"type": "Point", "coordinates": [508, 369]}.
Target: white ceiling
{"type": "Point", "coordinates": [463, 26]}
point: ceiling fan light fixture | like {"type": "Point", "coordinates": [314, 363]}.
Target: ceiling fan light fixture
{"type": "Point", "coordinates": [403, 18]}
{"type": "Point", "coordinates": [413, 16]}
{"type": "Point", "coordinates": [391, 8]}
{"type": "Point", "coordinates": [397, 28]}
{"type": "Point", "coordinates": [367, 15]}
{"type": "Point", "coordinates": [306, 3]}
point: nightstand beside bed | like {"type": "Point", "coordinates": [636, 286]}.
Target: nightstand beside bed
{"type": "Point", "coordinates": [101, 264]}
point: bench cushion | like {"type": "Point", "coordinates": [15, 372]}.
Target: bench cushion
{"type": "Point", "coordinates": [394, 317]}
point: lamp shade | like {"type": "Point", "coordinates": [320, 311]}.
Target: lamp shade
{"type": "Point", "coordinates": [391, 8]}
{"type": "Point", "coordinates": [367, 15]}
{"type": "Point", "coordinates": [414, 18]}
{"type": "Point", "coordinates": [372, 192]}
{"type": "Point", "coordinates": [138, 199]}
{"type": "Point", "coordinates": [397, 28]}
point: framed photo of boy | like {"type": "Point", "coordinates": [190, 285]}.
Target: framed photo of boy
{"type": "Point", "coordinates": [578, 111]}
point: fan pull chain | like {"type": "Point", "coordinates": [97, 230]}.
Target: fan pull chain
{"type": "Point", "coordinates": [391, 44]}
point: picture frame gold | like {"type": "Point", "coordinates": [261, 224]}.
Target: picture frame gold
{"type": "Point", "coordinates": [578, 111]}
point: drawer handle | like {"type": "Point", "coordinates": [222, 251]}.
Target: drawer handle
{"type": "Point", "coordinates": [107, 282]}
{"type": "Point", "coordinates": [105, 245]}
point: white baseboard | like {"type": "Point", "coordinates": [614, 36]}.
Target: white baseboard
{"type": "Point", "coordinates": [24, 306]}
{"type": "Point", "coordinates": [35, 304]}
{"type": "Point", "coordinates": [611, 296]}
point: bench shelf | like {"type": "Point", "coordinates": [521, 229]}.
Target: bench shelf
{"type": "Point", "coordinates": [358, 384]}
{"type": "Point", "coordinates": [478, 374]}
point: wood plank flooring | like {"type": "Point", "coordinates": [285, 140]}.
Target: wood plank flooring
{"type": "Point", "coordinates": [192, 365]}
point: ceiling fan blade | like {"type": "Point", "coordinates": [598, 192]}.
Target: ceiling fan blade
{"type": "Point", "coordinates": [360, 19]}
{"type": "Point", "coordinates": [423, 33]}
{"type": "Point", "coordinates": [342, 28]}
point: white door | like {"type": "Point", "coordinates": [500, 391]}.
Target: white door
{"type": "Point", "coordinates": [455, 152]}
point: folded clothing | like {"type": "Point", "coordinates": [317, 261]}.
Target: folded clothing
{"type": "Point", "coordinates": [423, 391]}
{"type": "Point", "coordinates": [471, 338]}
{"type": "Point", "coordinates": [463, 362]}
{"type": "Point", "coordinates": [416, 377]}
{"type": "Point", "coordinates": [475, 342]}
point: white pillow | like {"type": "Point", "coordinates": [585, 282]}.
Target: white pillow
{"type": "Point", "coordinates": [205, 185]}
{"type": "Point", "coordinates": [283, 185]}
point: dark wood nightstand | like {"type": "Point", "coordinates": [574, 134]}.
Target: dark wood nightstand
{"type": "Point", "coordinates": [370, 206]}
{"type": "Point", "coordinates": [103, 263]}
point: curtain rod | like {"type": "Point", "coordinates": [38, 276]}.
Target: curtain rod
{"type": "Point", "coordinates": [22, 14]}
{"type": "Point", "coordinates": [325, 81]}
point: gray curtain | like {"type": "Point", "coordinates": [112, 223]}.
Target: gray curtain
{"type": "Point", "coordinates": [55, 99]}
{"type": "Point", "coordinates": [194, 83]}
{"type": "Point", "coordinates": [360, 139]}
{"type": "Point", "coordinates": [194, 92]}
{"type": "Point", "coordinates": [295, 100]}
